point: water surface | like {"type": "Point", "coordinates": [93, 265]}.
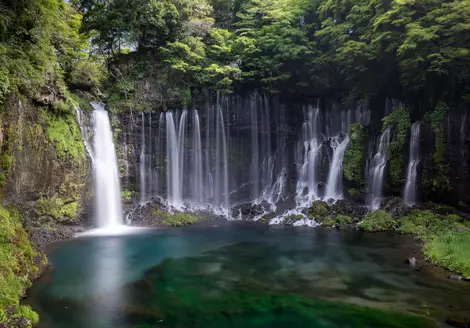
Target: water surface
{"type": "Point", "coordinates": [242, 276]}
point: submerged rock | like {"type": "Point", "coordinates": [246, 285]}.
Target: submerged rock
{"type": "Point", "coordinates": [411, 260]}
{"type": "Point", "coordinates": [455, 277]}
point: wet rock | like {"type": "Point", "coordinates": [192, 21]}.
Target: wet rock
{"type": "Point", "coordinates": [395, 207]}
{"type": "Point", "coordinates": [454, 277]}
{"type": "Point", "coordinates": [352, 209]}
{"type": "Point", "coordinates": [411, 260]}
{"type": "Point", "coordinates": [459, 322]}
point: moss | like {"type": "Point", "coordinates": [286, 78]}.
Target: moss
{"type": "Point", "coordinates": [352, 162]}
{"type": "Point", "coordinates": [17, 258]}
{"type": "Point", "coordinates": [57, 208]}
{"type": "Point", "coordinates": [65, 135]}
{"type": "Point", "coordinates": [291, 219]}
{"type": "Point", "coordinates": [400, 121]}
{"type": "Point", "coordinates": [174, 219]}
{"type": "Point", "coordinates": [378, 221]}
{"type": "Point", "coordinates": [318, 210]}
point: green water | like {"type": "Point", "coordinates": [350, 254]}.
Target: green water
{"type": "Point", "coordinates": [242, 276]}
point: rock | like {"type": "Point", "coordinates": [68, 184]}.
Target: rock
{"type": "Point", "coordinates": [411, 260]}
{"type": "Point", "coordinates": [454, 277]}
{"type": "Point", "coordinates": [459, 322]}
{"type": "Point", "coordinates": [348, 208]}
{"type": "Point", "coordinates": [395, 207]}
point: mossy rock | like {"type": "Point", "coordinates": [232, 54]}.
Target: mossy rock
{"type": "Point", "coordinates": [318, 211]}
{"type": "Point", "coordinates": [291, 219]}
{"type": "Point", "coordinates": [174, 219]}
{"type": "Point", "coordinates": [378, 221]}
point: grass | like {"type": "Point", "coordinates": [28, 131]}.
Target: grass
{"type": "Point", "coordinates": [449, 249]}
{"type": "Point", "coordinates": [446, 238]}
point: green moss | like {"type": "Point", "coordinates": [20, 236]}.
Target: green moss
{"type": "Point", "coordinates": [318, 211]}
{"type": "Point", "coordinates": [290, 219]}
{"type": "Point", "coordinates": [16, 267]}
{"type": "Point", "coordinates": [378, 221]}
{"type": "Point", "coordinates": [57, 208]}
{"type": "Point", "coordinates": [65, 135]}
{"type": "Point", "coordinates": [174, 219]}
{"type": "Point", "coordinates": [400, 121]}
{"type": "Point", "coordinates": [352, 162]}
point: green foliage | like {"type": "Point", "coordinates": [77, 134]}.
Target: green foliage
{"type": "Point", "coordinates": [57, 208]}
{"type": "Point", "coordinates": [343, 219]}
{"type": "Point", "coordinates": [291, 219]}
{"type": "Point", "coordinates": [174, 219]}
{"type": "Point", "coordinates": [352, 162]}
{"type": "Point", "coordinates": [65, 136]}
{"type": "Point", "coordinates": [318, 210]}
{"type": "Point", "coordinates": [16, 267]}
{"type": "Point", "coordinates": [127, 195]}
{"type": "Point", "coordinates": [400, 121]}
{"type": "Point", "coordinates": [450, 250]}
{"type": "Point", "coordinates": [378, 220]}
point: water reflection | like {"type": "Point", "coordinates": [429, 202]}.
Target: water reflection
{"type": "Point", "coordinates": [107, 276]}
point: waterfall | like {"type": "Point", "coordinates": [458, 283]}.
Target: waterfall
{"type": "Point", "coordinates": [376, 170]}
{"type": "Point", "coordinates": [307, 183]}
{"type": "Point", "coordinates": [174, 182]}
{"type": "Point", "coordinates": [197, 192]}
{"type": "Point", "coordinates": [143, 175]}
{"type": "Point", "coordinates": [334, 186]}
{"type": "Point", "coordinates": [108, 208]}
{"type": "Point", "coordinates": [255, 156]}
{"type": "Point", "coordinates": [221, 176]}
{"type": "Point", "coordinates": [409, 194]}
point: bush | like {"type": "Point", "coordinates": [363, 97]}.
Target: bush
{"type": "Point", "coordinates": [343, 219]}
{"type": "Point", "coordinates": [378, 221]}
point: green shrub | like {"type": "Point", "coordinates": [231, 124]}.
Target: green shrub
{"type": "Point", "coordinates": [127, 195]}
{"type": "Point", "coordinates": [378, 221]}
{"type": "Point", "coordinates": [343, 219]}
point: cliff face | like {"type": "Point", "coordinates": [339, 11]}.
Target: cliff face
{"type": "Point", "coordinates": [45, 171]}
{"type": "Point", "coordinates": [262, 131]}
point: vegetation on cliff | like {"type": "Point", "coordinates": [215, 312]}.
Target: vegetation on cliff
{"type": "Point", "coordinates": [319, 47]}
{"type": "Point", "coordinates": [17, 268]}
